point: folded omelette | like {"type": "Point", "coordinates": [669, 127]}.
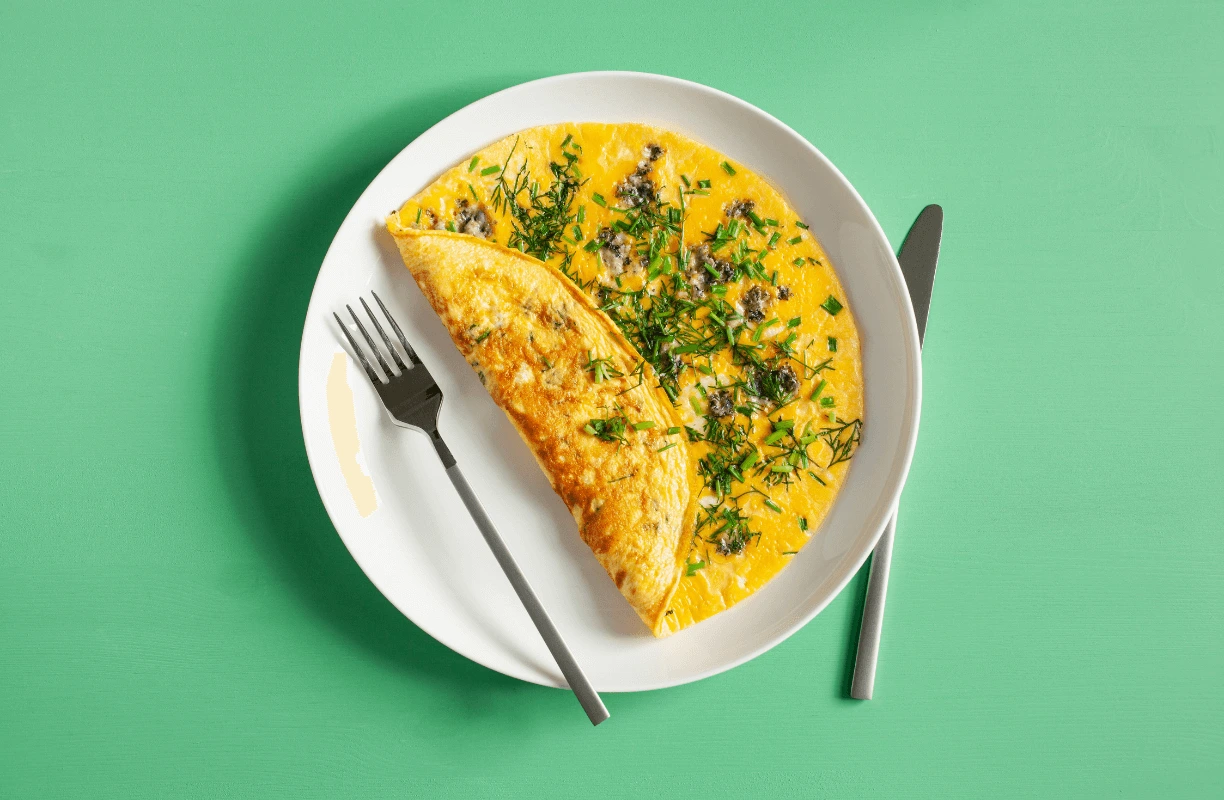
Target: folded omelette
{"type": "Point", "coordinates": [669, 339]}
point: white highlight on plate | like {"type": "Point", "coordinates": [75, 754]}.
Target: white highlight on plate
{"type": "Point", "coordinates": [342, 419]}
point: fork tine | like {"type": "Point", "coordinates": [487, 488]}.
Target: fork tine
{"type": "Point", "coordinates": [395, 327]}
{"type": "Point", "coordinates": [399, 362]}
{"type": "Point", "coordinates": [357, 349]}
{"type": "Point", "coordinates": [370, 341]}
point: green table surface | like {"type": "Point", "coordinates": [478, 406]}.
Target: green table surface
{"type": "Point", "coordinates": [179, 619]}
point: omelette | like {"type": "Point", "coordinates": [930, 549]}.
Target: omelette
{"type": "Point", "coordinates": [668, 337]}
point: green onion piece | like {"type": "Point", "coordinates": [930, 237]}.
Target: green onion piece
{"type": "Point", "coordinates": [789, 340]}
{"type": "Point", "coordinates": [832, 417]}
{"type": "Point", "coordinates": [705, 369]}
{"type": "Point", "coordinates": [774, 239]}
{"type": "Point", "coordinates": [803, 523]}
{"type": "Point", "coordinates": [472, 189]}
{"type": "Point", "coordinates": [790, 552]}
{"type": "Point", "coordinates": [684, 178]}
{"type": "Point", "coordinates": [666, 447]}
{"type": "Point", "coordinates": [687, 348]}
{"type": "Point", "coordinates": [832, 344]}
{"type": "Point", "coordinates": [750, 459]}
{"type": "Point", "coordinates": [756, 334]}
{"type": "Point", "coordinates": [692, 568]}
{"type": "Point", "coordinates": [673, 431]}
{"type": "Point", "coordinates": [490, 170]}
{"type": "Point", "coordinates": [798, 262]}
{"type": "Point", "coordinates": [450, 226]}
{"type": "Point", "coordinates": [474, 162]}
{"type": "Point", "coordinates": [795, 240]}
{"type": "Point", "coordinates": [782, 468]}
{"type": "Point", "coordinates": [819, 388]}
{"type": "Point", "coordinates": [696, 404]}
{"type": "Point", "coordinates": [831, 305]}
{"type": "Point", "coordinates": [567, 139]}
{"type": "Point", "coordinates": [799, 224]}
{"type": "Point", "coordinates": [756, 221]}
{"type": "Point", "coordinates": [783, 424]}
{"type": "Point", "coordinates": [773, 279]}
{"type": "Point", "coordinates": [589, 429]}
{"type": "Point", "coordinates": [599, 200]}
{"type": "Point", "coordinates": [773, 505]}
{"type": "Point", "coordinates": [827, 402]}
{"type": "Point", "coordinates": [419, 210]}
{"type": "Point", "coordinates": [794, 322]}
{"type": "Point", "coordinates": [581, 214]}
{"type": "Point", "coordinates": [703, 184]}
{"type": "Point", "coordinates": [727, 168]}
{"type": "Point", "coordinates": [644, 425]}
{"type": "Point", "coordinates": [775, 437]}
{"type": "Point", "coordinates": [773, 223]}
{"type": "Point", "coordinates": [592, 246]}
{"type": "Point", "coordinates": [719, 290]}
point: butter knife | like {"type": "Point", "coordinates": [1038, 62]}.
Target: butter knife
{"type": "Point", "coordinates": [918, 256]}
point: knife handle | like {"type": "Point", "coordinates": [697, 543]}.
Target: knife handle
{"type": "Point", "coordinates": [863, 682]}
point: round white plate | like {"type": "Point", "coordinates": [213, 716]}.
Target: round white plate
{"type": "Point", "coordinates": [420, 548]}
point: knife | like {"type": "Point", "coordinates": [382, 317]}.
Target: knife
{"type": "Point", "coordinates": [918, 256]}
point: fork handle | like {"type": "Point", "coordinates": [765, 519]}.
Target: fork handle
{"type": "Point", "coordinates": [863, 683]}
{"type": "Point", "coordinates": [587, 696]}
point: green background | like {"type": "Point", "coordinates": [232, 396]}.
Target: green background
{"type": "Point", "coordinates": [178, 618]}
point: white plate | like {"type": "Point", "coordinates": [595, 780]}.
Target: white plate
{"type": "Point", "coordinates": [420, 548]}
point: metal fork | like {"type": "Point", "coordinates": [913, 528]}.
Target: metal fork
{"type": "Point", "coordinates": [413, 399]}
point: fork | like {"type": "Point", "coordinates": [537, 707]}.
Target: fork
{"type": "Point", "coordinates": [412, 398]}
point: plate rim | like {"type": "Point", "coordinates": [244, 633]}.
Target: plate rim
{"type": "Point", "coordinates": [910, 421]}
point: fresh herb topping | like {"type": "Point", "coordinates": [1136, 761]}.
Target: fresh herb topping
{"type": "Point", "coordinates": [601, 368]}
{"type": "Point", "coordinates": [490, 170]}
{"type": "Point", "coordinates": [831, 305]}
{"type": "Point", "coordinates": [474, 162]}
{"type": "Point", "coordinates": [610, 428]}
{"type": "Point", "coordinates": [832, 344]}
{"type": "Point", "coordinates": [727, 168]}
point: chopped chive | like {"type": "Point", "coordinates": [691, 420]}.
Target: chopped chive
{"type": "Point", "coordinates": [756, 221]}
{"type": "Point", "coordinates": [419, 210]}
{"type": "Point", "coordinates": [703, 184]}
{"type": "Point", "coordinates": [566, 140]}
{"type": "Point", "coordinates": [773, 505]}
{"type": "Point", "coordinates": [827, 402]}
{"type": "Point", "coordinates": [775, 437]}
{"type": "Point", "coordinates": [798, 262]}
{"type": "Point", "coordinates": [684, 178]}
{"type": "Point", "coordinates": [774, 239]}
{"type": "Point", "coordinates": [483, 336]}
{"type": "Point", "coordinates": [727, 168]}
{"type": "Point", "coordinates": [832, 417]}
{"type": "Point", "coordinates": [475, 196]}
{"type": "Point", "coordinates": [622, 477]}
{"type": "Point", "coordinates": [692, 568]}
{"type": "Point", "coordinates": [589, 429]}
{"type": "Point", "coordinates": [592, 246]}
{"type": "Point", "coordinates": [673, 431]}
{"type": "Point", "coordinates": [696, 404]}
{"type": "Point", "coordinates": [783, 424]}
{"type": "Point", "coordinates": [790, 552]}
{"type": "Point", "coordinates": [687, 348]}
{"type": "Point", "coordinates": [750, 459]}
{"type": "Point", "coordinates": [581, 214]}
{"type": "Point", "coordinates": [803, 523]}
{"type": "Point", "coordinates": [756, 334]}
{"type": "Point", "coordinates": [547, 364]}
{"type": "Point", "coordinates": [599, 200]}
{"type": "Point", "coordinates": [794, 323]}
{"type": "Point", "coordinates": [832, 344]}
{"type": "Point", "coordinates": [450, 226]}
{"type": "Point", "coordinates": [474, 162]}
{"type": "Point", "coordinates": [782, 468]}
{"type": "Point", "coordinates": [789, 340]}
{"type": "Point", "coordinates": [831, 305]}
{"type": "Point", "coordinates": [705, 369]}
{"type": "Point", "coordinates": [799, 224]}
{"type": "Point", "coordinates": [490, 170]}
{"type": "Point", "coordinates": [719, 290]}
{"type": "Point", "coordinates": [773, 279]}
{"type": "Point", "coordinates": [771, 222]}
{"type": "Point", "coordinates": [795, 240]}
{"type": "Point", "coordinates": [644, 425]}
{"type": "Point", "coordinates": [666, 447]}
{"type": "Point", "coordinates": [819, 388]}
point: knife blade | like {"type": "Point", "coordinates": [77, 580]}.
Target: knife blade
{"type": "Point", "coordinates": [918, 257]}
